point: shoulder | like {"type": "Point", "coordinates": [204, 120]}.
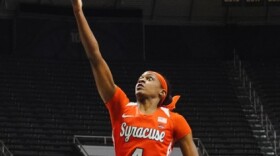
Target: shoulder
{"type": "Point", "coordinates": [118, 101]}
{"type": "Point", "coordinates": [178, 118]}
{"type": "Point", "coordinates": [172, 115]}
{"type": "Point", "coordinates": [118, 95]}
{"type": "Point", "coordinates": [181, 126]}
{"type": "Point", "coordinates": [176, 115]}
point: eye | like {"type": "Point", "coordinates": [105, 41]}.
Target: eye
{"type": "Point", "coordinates": [150, 78]}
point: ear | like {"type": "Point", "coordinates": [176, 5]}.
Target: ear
{"type": "Point", "coordinates": [162, 93]}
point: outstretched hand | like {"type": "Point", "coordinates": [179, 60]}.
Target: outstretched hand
{"type": "Point", "coordinates": [77, 5]}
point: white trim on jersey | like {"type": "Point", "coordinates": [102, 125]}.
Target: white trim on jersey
{"type": "Point", "coordinates": [169, 149]}
{"type": "Point", "coordinates": [166, 111]}
{"type": "Point", "coordinates": [131, 104]}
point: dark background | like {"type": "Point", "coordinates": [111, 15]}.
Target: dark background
{"type": "Point", "coordinates": [45, 31]}
{"type": "Point", "coordinates": [51, 38]}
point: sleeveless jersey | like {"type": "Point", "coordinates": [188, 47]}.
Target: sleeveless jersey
{"type": "Point", "coordinates": [136, 134]}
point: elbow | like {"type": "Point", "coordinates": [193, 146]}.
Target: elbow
{"type": "Point", "coordinates": [94, 56]}
{"type": "Point", "coordinates": [95, 61]}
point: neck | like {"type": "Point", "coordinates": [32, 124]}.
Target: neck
{"type": "Point", "coordinates": [148, 107]}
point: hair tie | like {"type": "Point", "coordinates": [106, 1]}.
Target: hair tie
{"type": "Point", "coordinates": [163, 83]}
{"type": "Point", "coordinates": [172, 105]}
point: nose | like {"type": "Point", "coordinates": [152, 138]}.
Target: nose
{"type": "Point", "coordinates": [141, 80]}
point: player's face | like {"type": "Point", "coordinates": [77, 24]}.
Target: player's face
{"type": "Point", "coordinates": [147, 85]}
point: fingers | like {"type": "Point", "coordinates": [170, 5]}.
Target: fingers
{"type": "Point", "coordinates": [77, 4]}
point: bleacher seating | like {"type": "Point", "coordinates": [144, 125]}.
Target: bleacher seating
{"type": "Point", "coordinates": [265, 77]}
{"type": "Point", "coordinates": [211, 107]}
{"type": "Point", "coordinates": [45, 102]}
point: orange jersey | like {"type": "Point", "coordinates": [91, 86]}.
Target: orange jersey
{"type": "Point", "coordinates": [136, 134]}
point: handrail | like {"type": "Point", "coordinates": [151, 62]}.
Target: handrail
{"type": "Point", "coordinates": [105, 139]}
{"type": "Point", "coordinates": [4, 150]}
{"type": "Point", "coordinates": [199, 143]}
{"type": "Point", "coordinates": [78, 143]}
{"type": "Point", "coordinates": [256, 102]}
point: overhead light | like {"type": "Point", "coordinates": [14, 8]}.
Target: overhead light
{"type": "Point", "coordinates": [254, 2]}
{"type": "Point", "coordinates": [273, 2]}
{"type": "Point", "coordinates": [231, 2]}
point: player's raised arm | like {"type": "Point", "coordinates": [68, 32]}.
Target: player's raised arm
{"type": "Point", "coordinates": [101, 72]}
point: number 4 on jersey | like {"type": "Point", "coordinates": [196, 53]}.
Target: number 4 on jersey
{"type": "Point", "coordinates": [138, 152]}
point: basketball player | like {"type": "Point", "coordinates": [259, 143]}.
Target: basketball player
{"type": "Point", "coordinates": [147, 127]}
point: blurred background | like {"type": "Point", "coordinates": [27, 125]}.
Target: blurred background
{"type": "Point", "coordinates": [221, 56]}
{"type": "Point", "coordinates": [144, 28]}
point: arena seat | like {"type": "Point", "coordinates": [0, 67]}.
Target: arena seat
{"type": "Point", "coordinates": [48, 101]}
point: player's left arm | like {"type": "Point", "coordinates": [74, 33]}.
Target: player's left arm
{"type": "Point", "coordinates": [188, 148]}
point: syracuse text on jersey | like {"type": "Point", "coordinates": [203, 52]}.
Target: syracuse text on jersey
{"type": "Point", "coordinates": [141, 132]}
